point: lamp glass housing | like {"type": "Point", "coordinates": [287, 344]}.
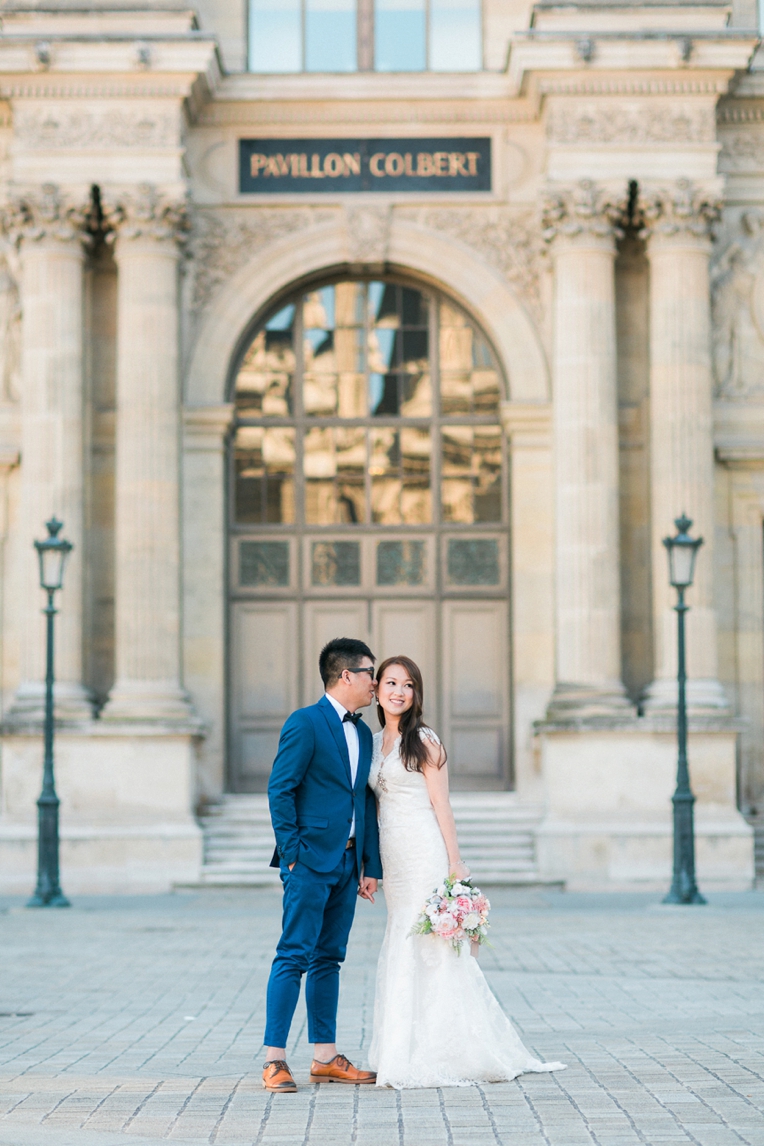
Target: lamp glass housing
{"type": "Point", "coordinates": [52, 554]}
{"type": "Point", "coordinates": [682, 551]}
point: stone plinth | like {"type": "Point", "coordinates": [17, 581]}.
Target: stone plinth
{"type": "Point", "coordinates": [609, 812]}
{"type": "Point", "coordinates": [126, 810]}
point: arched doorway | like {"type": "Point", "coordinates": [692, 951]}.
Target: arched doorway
{"type": "Point", "coordinates": [368, 497]}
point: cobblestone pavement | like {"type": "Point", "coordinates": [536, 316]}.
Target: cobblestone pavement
{"type": "Point", "coordinates": [140, 1020]}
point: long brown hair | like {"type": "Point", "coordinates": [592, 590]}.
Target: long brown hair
{"type": "Point", "coordinates": [414, 751]}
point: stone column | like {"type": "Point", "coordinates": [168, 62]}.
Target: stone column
{"type": "Point", "coordinates": [147, 230]}
{"type": "Point", "coordinates": [580, 226]}
{"type": "Point", "coordinates": [48, 228]}
{"type": "Point", "coordinates": [677, 228]}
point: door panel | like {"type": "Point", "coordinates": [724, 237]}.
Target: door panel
{"type": "Point", "coordinates": [475, 661]}
{"type": "Point", "coordinates": [322, 621]}
{"type": "Point", "coordinates": [264, 654]}
{"type": "Point", "coordinates": [408, 628]}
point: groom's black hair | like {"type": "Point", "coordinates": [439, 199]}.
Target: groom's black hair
{"type": "Point", "coordinates": [340, 654]}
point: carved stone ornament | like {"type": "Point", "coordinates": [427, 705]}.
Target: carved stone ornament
{"type": "Point", "coordinates": [742, 149]}
{"type": "Point", "coordinates": [581, 211]}
{"type": "Point", "coordinates": [681, 211]}
{"type": "Point", "coordinates": [368, 231]}
{"type": "Point", "coordinates": [508, 240]}
{"type": "Point", "coordinates": [46, 213]}
{"type": "Point", "coordinates": [605, 121]}
{"type": "Point", "coordinates": [223, 241]}
{"type": "Point", "coordinates": [10, 327]}
{"type": "Point", "coordinates": [146, 213]}
{"type": "Point", "coordinates": [122, 126]}
{"type": "Point", "coordinates": [737, 307]}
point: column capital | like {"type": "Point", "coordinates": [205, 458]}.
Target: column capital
{"type": "Point", "coordinates": [146, 213]}
{"type": "Point", "coordinates": [682, 212]}
{"type": "Point", "coordinates": [582, 214]}
{"type": "Point", "coordinates": [48, 213]}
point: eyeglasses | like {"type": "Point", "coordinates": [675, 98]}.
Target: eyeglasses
{"type": "Point", "coordinates": [370, 671]}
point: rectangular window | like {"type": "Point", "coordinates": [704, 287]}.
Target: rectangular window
{"type": "Point", "coordinates": [264, 462]}
{"type": "Point", "coordinates": [335, 465]}
{"type": "Point", "coordinates": [400, 35]}
{"type": "Point", "coordinates": [352, 35]}
{"type": "Point", "coordinates": [455, 36]}
{"type": "Point", "coordinates": [330, 35]}
{"type": "Point", "coordinates": [275, 35]}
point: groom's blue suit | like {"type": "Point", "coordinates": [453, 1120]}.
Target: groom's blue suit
{"type": "Point", "coordinates": [313, 801]}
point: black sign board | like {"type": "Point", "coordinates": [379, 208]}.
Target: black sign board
{"type": "Point", "coordinates": [268, 166]}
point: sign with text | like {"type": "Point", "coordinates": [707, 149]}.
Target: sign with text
{"type": "Point", "coordinates": [268, 166]}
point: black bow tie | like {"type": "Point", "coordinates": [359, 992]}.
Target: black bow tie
{"type": "Point", "coordinates": [353, 717]}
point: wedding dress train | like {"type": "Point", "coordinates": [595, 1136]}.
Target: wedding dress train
{"type": "Point", "coordinates": [436, 1020]}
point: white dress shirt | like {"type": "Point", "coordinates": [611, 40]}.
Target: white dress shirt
{"type": "Point", "coordinates": [351, 739]}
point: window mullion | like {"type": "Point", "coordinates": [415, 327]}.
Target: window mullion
{"type": "Point", "coordinates": [365, 35]}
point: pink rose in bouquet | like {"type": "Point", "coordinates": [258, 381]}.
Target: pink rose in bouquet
{"type": "Point", "coordinates": [456, 911]}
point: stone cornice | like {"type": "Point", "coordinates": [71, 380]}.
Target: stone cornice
{"type": "Point", "coordinates": [741, 457]}
{"type": "Point", "coordinates": [362, 86]}
{"type": "Point", "coordinates": [185, 66]}
{"type": "Point", "coordinates": [636, 83]}
{"type": "Point", "coordinates": [718, 55]}
{"type": "Point", "coordinates": [96, 87]}
{"type": "Point", "coordinates": [343, 113]}
{"type": "Point", "coordinates": [740, 111]}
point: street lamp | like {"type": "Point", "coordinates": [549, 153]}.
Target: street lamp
{"type": "Point", "coordinates": [52, 554]}
{"type": "Point", "coordinates": [682, 551]}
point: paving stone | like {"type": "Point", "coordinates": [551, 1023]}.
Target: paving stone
{"type": "Point", "coordinates": [139, 1021]}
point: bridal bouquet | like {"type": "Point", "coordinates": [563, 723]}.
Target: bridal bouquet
{"type": "Point", "coordinates": [455, 911]}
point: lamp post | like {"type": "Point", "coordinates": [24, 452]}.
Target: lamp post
{"type": "Point", "coordinates": [682, 551]}
{"type": "Point", "coordinates": [52, 554]}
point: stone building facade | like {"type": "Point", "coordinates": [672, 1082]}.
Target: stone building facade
{"type": "Point", "coordinates": [433, 357]}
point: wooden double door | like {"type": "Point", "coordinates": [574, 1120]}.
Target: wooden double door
{"type": "Point", "coordinates": [461, 646]}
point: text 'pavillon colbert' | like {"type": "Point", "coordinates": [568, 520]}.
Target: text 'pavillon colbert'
{"type": "Point", "coordinates": [273, 166]}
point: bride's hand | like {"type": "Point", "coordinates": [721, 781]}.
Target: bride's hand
{"type": "Point", "coordinates": [460, 870]}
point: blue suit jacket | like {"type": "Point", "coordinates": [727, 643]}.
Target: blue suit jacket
{"type": "Point", "coordinates": [312, 798]}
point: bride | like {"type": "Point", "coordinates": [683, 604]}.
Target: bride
{"type": "Point", "coordinates": [436, 1021]}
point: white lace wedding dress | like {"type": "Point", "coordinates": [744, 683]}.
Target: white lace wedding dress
{"type": "Point", "coordinates": [436, 1021]}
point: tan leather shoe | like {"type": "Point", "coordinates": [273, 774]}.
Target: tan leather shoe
{"type": "Point", "coordinates": [339, 1070]}
{"type": "Point", "coordinates": [277, 1076]}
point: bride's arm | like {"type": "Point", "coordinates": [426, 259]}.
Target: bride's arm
{"type": "Point", "coordinates": [436, 778]}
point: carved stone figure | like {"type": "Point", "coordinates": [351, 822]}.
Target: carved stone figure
{"type": "Point", "coordinates": [738, 311]}
{"type": "Point", "coordinates": [10, 332]}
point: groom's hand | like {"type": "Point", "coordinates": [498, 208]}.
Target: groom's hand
{"type": "Point", "coordinates": [367, 888]}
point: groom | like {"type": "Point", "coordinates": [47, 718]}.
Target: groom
{"type": "Point", "coordinates": [327, 848]}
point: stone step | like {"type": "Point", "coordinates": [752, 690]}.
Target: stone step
{"type": "Point", "coordinates": [497, 835]}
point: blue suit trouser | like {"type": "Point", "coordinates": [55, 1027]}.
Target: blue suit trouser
{"type": "Point", "coordinates": [317, 916]}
